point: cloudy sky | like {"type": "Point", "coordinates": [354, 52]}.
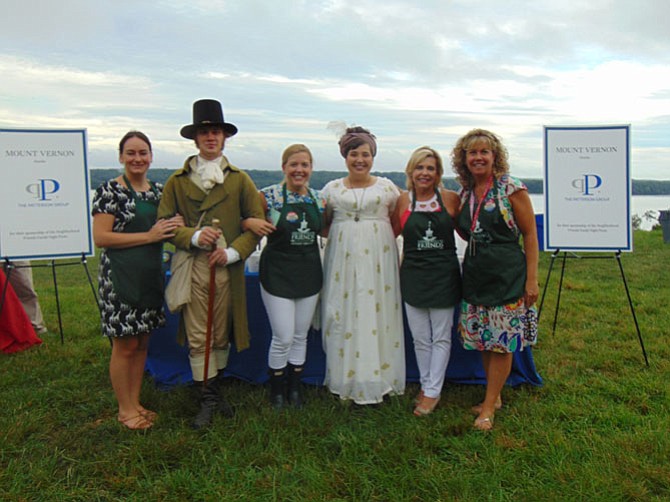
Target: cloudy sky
{"type": "Point", "coordinates": [413, 72]}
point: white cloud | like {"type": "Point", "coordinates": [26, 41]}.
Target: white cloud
{"type": "Point", "coordinates": [415, 73]}
{"type": "Point", "coordinates": [25, 71]}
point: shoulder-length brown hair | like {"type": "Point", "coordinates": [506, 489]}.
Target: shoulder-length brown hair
{"type": "Point", "coordinates": [475, 137]}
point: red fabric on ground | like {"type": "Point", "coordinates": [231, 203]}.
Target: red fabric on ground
{"type": "Point", "coordinates": [16, 331]}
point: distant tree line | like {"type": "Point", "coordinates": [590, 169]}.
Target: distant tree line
{"type": "Point", "coordinates": [320, 178]}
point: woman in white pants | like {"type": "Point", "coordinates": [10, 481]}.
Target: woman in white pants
{"type": "Point", "coordinates": [290, 270]}
{"type": "Point", "coordinates": [430, 279]}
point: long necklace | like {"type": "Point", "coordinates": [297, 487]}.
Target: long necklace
{"type": "Point", "coordinates": [357, 211]}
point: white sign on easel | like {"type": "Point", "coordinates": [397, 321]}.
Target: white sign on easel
{"type": "Point", "coordinates": [587, 188]}
{"type": "Point", "coordinates": [44, 194]}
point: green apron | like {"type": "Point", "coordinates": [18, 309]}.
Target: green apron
{"type": "Point", "coordinates": [290, 264]}
{"type": "Point", "coordinates": [430, 274]}
{"type": "Point", "coordinates": [494, 270]}
{"type": "Point", "coordinates": [136, 273]}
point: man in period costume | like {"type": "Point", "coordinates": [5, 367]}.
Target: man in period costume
{"type": "Point", "coordinates": [207, 187]}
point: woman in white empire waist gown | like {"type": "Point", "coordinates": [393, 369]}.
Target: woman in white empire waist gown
{"type": "Point", "coordinates": [362, 325]}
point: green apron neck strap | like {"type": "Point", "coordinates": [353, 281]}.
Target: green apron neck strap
{"type": "Point", "coordinates": [129, 186]}
{"type": "Point", "coordinates": [132, 190]}
{"type": "Point", "coordinates": [310, 194]}
{"type": "Point", "coordinates": [439, 200]}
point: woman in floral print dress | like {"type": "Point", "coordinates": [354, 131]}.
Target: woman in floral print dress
{"type": "Point", "coordinates": [498, 315]}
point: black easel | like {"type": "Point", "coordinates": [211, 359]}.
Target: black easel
{"type": "Point", "coordinates": [617, 255]}
{"type": "Point", "coordinates": [9, 266]}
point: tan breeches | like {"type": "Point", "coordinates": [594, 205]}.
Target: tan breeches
{"type": "Point", "coordinates": [195, 318]}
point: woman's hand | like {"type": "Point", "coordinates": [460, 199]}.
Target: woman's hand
{"type": "Point", "coordinates": [525, 219]}
{"type": "Point", "coordinates": [105, 236]}
{"type": "Point", "coordinates": [163, 229]}
{"type": "Point", "coordinates": [258, 226]}
{"type": "Point", "coordinates": [531, 292]}
{"type": "Point", "coordinates": [177, 220]}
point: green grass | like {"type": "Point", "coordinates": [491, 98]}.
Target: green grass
{"type": "Point", "coordinates": [597, 430]}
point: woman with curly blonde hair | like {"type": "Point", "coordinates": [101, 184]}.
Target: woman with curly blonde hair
{"type": "Point", "coordinates": [459, 156]}
{"type": "Point", "coordinates": [500, 288]}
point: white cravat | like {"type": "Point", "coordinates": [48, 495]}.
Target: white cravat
{"type": "Point", "coordinates": [210, 172]}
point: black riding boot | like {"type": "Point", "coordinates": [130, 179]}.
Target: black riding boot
{"type": "Point", "coordinates": [223, 406]}
{"type": "Point", "coordinates": [209, 401]}
{"type": "Point", "coordinates": [295, 385]}
{"type": "Point", "coordinates": [278, 388]}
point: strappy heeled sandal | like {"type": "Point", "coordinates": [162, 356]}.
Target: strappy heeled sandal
{"type": "Point", "coordinates": [426, 406]}
{"type": "Point", "coordinates": [418, 398]}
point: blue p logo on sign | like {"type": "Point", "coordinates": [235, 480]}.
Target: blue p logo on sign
{"type": "Point", "coordinates": [43, 188]}
{"type": "Point", "coordinates": [587, 184]}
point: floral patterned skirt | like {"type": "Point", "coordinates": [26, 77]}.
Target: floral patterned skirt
{"type": "Point", "coordinates": [503, 329]}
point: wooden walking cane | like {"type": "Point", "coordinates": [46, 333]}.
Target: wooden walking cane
{"type": "Point", "coordinates": [210, 309]}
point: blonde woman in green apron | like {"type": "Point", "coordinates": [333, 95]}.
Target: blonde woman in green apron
{"type": "Point", "coordinates": [130, 281]}
{"type": "Point", "coordinates": [290, 271]}
{"type": "Point", "coordinates": [498, 315]}
{"type": "Point", "coordinates": [430, 275]}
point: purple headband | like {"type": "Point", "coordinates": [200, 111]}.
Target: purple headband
{"type": "Point", "coordinates": [348, 140]}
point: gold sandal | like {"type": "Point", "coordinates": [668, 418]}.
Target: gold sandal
{"type": "Point", "coordinates": [484, 424]}
{"type": "Point", "coordinates": [426, 406]}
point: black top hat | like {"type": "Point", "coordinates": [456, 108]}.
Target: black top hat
{"type": "Point", "coordinates": [207, 112]}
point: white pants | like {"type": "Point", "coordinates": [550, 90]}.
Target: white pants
{"type": "Point", "coordinates": [431, 332]}
{"type": "Point", "coordinates": [290, 319]}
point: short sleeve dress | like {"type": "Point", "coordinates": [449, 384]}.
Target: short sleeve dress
{"type": "Point", "coordinates": [362, 324]}
{"type": "Point", "coordinates": [118, 318]}
{"type": "Point", "coordinates": [493, 314]}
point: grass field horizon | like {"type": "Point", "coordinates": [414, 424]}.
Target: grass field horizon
{"type": "Point", "coordinates": [597, 429]}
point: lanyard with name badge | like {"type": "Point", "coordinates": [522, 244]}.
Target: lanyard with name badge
{"type": "Point", "coordinates": [475, 217]}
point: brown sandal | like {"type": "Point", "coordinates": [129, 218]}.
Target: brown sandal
{"type": "Point", "coordinates": [151, 416]}
{"type": "Point", "coordinates": [136, 423]}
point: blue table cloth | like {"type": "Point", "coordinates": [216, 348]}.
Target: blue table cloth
{"type": "Point", "coordinates": [168, 365]}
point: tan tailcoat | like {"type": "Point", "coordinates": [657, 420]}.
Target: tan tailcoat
{"type": "Point", "coordinates": [236, 199]}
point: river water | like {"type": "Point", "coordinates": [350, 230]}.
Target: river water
{"type": "Point", "coordinates": [640, 204]}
